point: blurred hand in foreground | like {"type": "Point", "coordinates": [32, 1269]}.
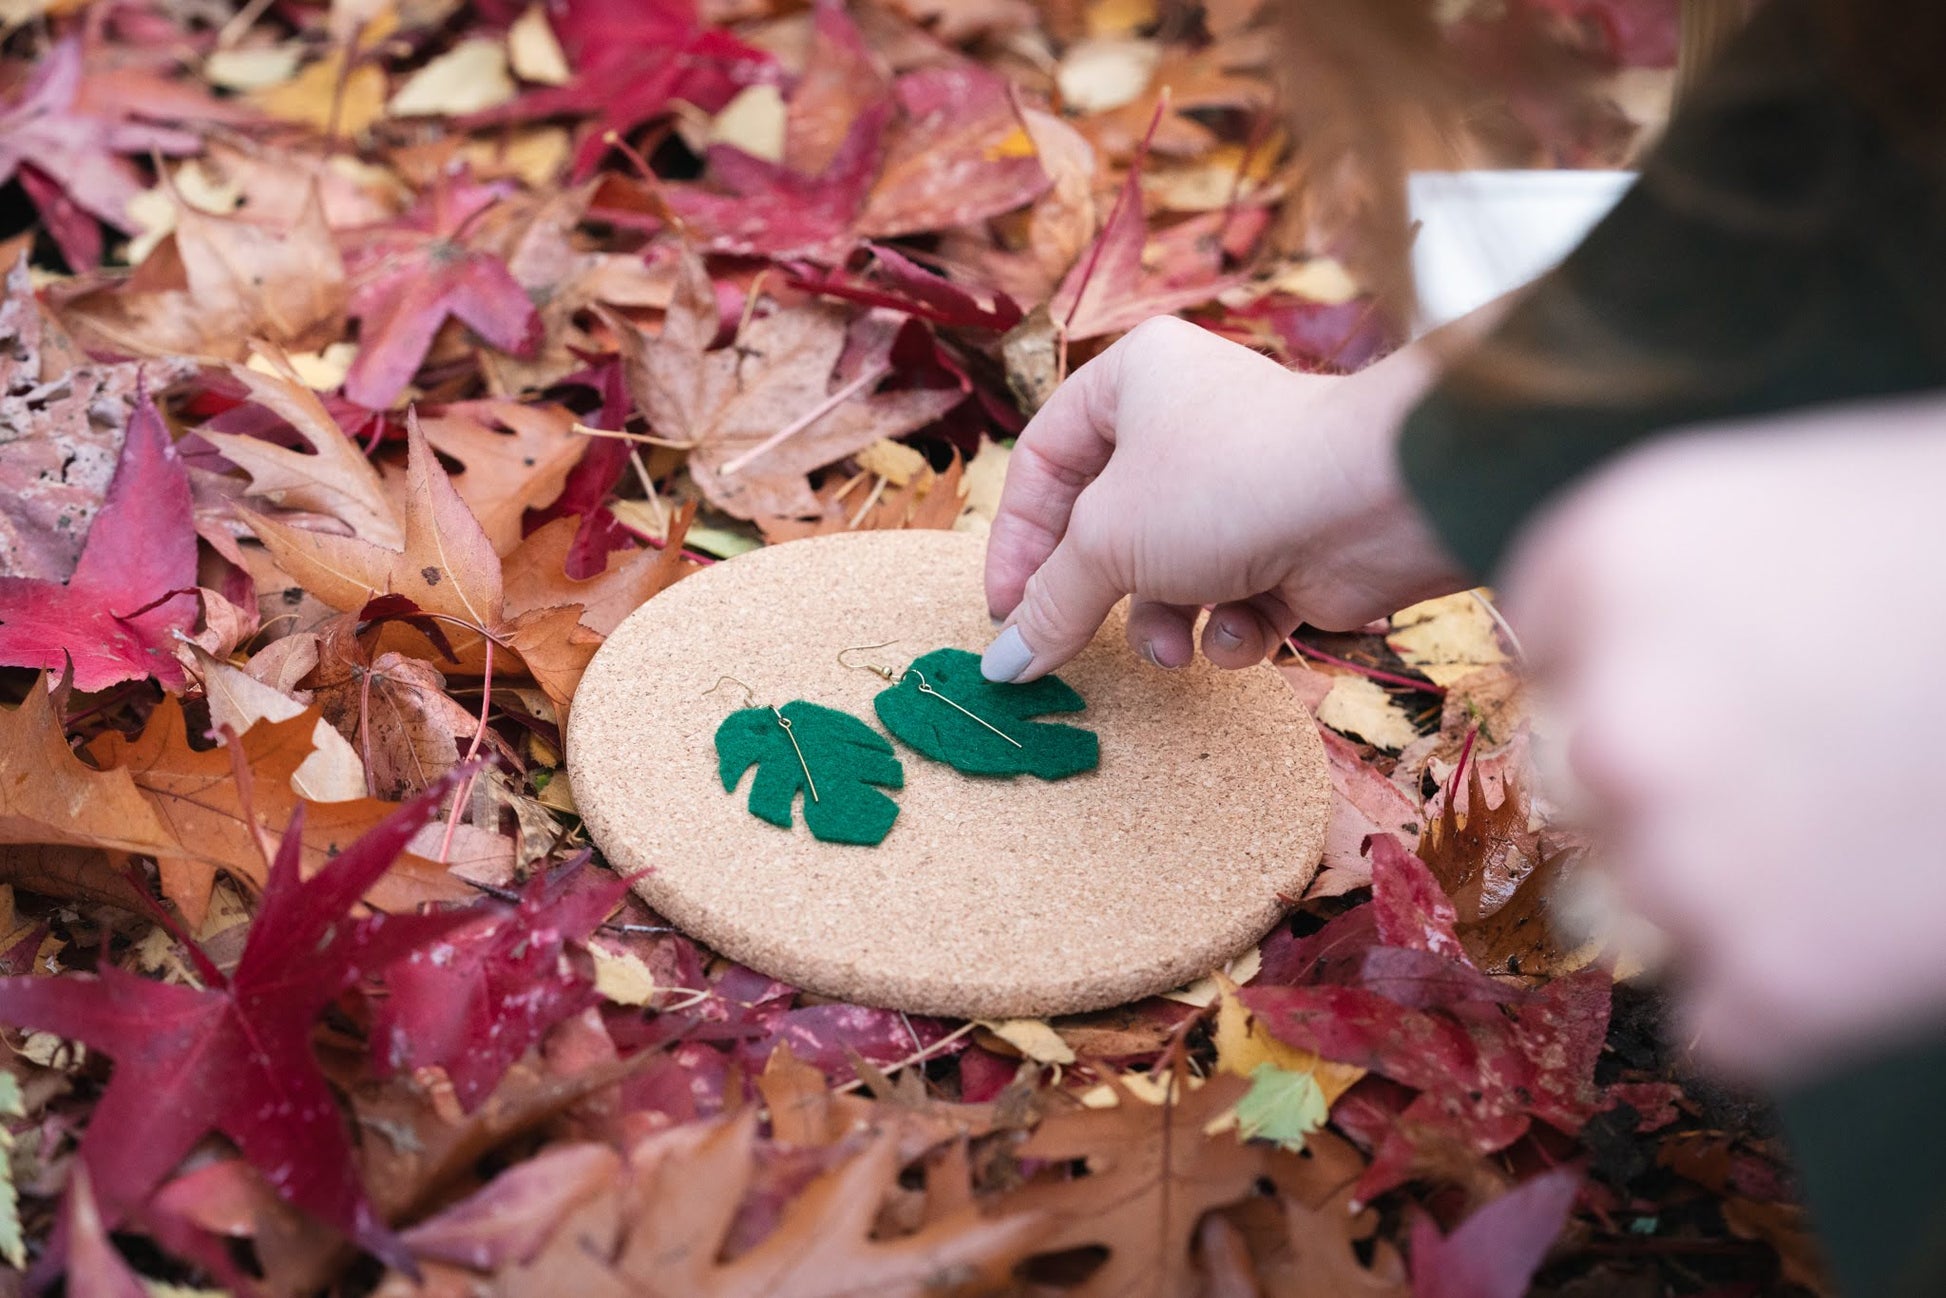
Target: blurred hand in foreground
{"type": "Point", "coordinates": [1739, 632]}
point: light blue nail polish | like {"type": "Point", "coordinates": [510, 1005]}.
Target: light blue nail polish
{"type": "Point", "coordinates": [1007, 657]}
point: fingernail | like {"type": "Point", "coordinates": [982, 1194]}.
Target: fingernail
{"type": "Point", "coordinates": [996, 619]}
{"type": "Point", "coordinates": [1007, 657]}
{"type": "Point", "coordinates": [1226, 637]}
{"type": "Point", "coordinates": [1155, 659]}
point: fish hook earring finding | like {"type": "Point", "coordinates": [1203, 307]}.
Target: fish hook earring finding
{"type": "Point", "coordinates": [875, 669]}
{"type": "Point", "coordinates": [897, 676]}
{"type": "Point", "coordinates": [784, 722]}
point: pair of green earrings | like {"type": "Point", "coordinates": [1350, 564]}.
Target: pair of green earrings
{"type": "Point", "coordinates": [939, 705]}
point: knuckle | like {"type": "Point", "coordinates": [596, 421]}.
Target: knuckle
{"type": "Point", "coordinates": [1040, 609]}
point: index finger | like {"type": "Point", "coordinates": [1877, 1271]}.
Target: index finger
{"type": "Point", "coordinates": [1061, 451]}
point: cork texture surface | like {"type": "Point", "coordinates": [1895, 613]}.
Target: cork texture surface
{"type": "Point", "coordinates": [990, 898]}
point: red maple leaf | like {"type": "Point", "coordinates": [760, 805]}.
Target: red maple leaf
{"type": "Point", "coordinates": [805, 206]}
{"type": "Point", "coordinates": [235, 1056]}
{"type": "Point", "coordinates": [1487, 1058]}
{"type": "Point", "coordinates": [762, 209]}
{"type": "Point", "coordinates": [135, 584]}
{"type": "Point", "coordinates": [410, 275]}
{"type": "Point", "coordinates": [67, 158]}
{"type": "Point", "coordinates": [475, 1003]}
{"type": "Point", "coordinates": [1111, 287]}
{"type": "Point", "coordinates": [632, 60]}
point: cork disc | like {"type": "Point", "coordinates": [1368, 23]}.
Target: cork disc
{"type": "Point", "coordinates": [990, 898]}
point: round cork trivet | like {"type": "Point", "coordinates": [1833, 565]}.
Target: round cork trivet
{"type": "Point", "coordinates": [990, 898]}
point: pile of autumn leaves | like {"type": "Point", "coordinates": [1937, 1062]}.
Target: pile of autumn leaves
{"type": "Point", "coordinates": [444, 326]}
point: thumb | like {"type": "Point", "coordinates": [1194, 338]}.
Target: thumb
{"type": "Point", "coordinates": [1059, 612]}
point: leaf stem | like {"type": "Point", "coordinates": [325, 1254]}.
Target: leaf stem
{"type": "Point", "coordinates": [1304, 650]}
{"type": "Point", "coordinates": [804, 421]}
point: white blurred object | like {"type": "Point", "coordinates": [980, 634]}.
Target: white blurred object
{"type": "Point", "coordinates": [1482, 233]}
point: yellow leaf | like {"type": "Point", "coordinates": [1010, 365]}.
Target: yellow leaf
{"type": "Point", "coordinates": [1242, 1046]}
{"type": "Point", "coordinates": [1205, 990]}
{"type": "Point", "coordinates": [753, 122]}
{"type": "Point", "coordinates": [1097, 75]}
{"type": "Point", "coordinates": [319, 371]}
{"type": "Point", "coordinates": [1149, 1088]}
{"type": "Point", "coordinates": [1034, 1038]}
{"type": "Point", "coordinates": [533, 155]}
{"type": "Point", "coordinates": [985, 474]}
{"type": "Point", "coordinates": [1119, 17]}
{"type": "Point", "coordinates": [469, 78]}
{"type": "Point", "coordinates": [253, 68]}
{"type": "Point", "coordinates": [1320, 279]}
{"type": "Point", "coordinates": [1357, 706]}
{"type": "Point", "coordinates": [621, 976]}
{"type": "Point", "coordinates": [311, 97]}
{"type": "Point", "coordinates": [896, 462]}
{"type": "Point", "coordinates": [534, 52]}
{"type": "Point", "coordinates": [559, 795]}
{"type": "Point", "coordinates": [1446, 638]}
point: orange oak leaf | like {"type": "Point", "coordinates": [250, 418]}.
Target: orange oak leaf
{"type": "Point", "coordinates": [48, 795]}
{"type": "Point", "coordinates": [213, 823]}
{"type": "Point", "coordinates": [513, 458]}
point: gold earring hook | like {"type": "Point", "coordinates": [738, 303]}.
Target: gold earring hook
{"type": "Point", "coordinates": [875, 669]}
{"type": "Point", "coordinates": [749, 695]}
{"type": "Point", "coordinates": [783, 723]}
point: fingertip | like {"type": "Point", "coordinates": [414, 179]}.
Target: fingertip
{"type": "Point", "coordinates": [1163, 635]}
{"type": "Point", "coordinates": [1235, 637]}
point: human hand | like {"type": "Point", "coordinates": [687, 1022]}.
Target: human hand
{"type": "Point", "coordinates": [1736, 628]}
{"type": "Point", "coordinates": [1187, 471]}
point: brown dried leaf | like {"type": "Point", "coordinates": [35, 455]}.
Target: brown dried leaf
{"type": "Point", "coordinates": [218, 282]}
{"type": "Point", "coordinates": [1152, 1174]}
{"type": "Point", "coordinates": [726, 403]}
{"type": "Point", "coordinates": [693, 1179]}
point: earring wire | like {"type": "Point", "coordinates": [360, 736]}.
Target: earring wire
{"type": "Point", "coordinates": [783, 722]}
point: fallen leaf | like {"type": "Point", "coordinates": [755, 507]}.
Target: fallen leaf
{"type": "Point", "coordinates": [469, 78]}
{"type": "Point", "coordinates": [446, 567]}
{"type": "Point", "coordinates": [477, 1000]}
{"type": "Point", "coordinates": [236, 1057]}
{"type": "Point", "coordinates": [1495, 1251]}
{"type": "Point", "coordinates": [1152, 1174]}
{"type": "Point", "coordinates": [68, 159]}
{"type": "Point", "coordinates": [332, 772]}
{"type": "Point", "coordinates": [217, 282]}
{"type": "Point", "coordinates": [133, 588]}
{"type": "Point", "coordinates": [729, 405]}
{"type": "Point", "coordinates": [1282, 1106]}
{"type": "Point", "coordinates": [1446, 639]}
{"type": "Point", "coordinates": [533, 50]}
{"type": "Point", "coordinates": [1110, 287]}
{"type": "Point", "coordinates": [512, 458]}
{"type": "Point", "coordinates": [62, 420]}
{"type": "Point", "coordinates": [1106, 72]}
{"type": "Point", "coordinates": [1358, 705]}
{"type": "Point", "coordinates": [408, 277]}
{"type": "Point", "coordinates": [212, 823]}
{"type": "Point", "coordinates": [1034, 1038]}
{"type": "Point", "coordinates": [333, 477]}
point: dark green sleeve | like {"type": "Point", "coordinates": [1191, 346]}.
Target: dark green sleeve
{"type": "Point", "coordinates": [1784, 247]}
{"type": "Point", "coordinates": [1870, 1145]}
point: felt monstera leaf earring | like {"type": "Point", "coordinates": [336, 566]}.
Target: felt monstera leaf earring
{"type": "Point", "coordinates": [941, 705]}
{"type": "Point", "coordinates": [831, 757]}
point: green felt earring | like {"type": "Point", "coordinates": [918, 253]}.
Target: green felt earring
{"type": "Point", "coordinates": [942, 706]}
{"type": "Point", "coordinates": [831, 757]}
